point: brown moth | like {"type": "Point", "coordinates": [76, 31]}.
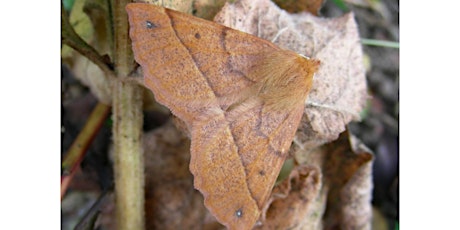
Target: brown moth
{"type": "Point", "coordinates": [240, 96]}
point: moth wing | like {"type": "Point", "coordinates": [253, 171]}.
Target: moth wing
{"type": "Point", "coordinates": [190, 64]}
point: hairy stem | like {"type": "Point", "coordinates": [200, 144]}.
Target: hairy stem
{"type": "Point", "coordinates": [127, 129]}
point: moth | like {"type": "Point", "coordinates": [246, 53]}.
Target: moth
{"type": "Point", "coordinates": [240, 96]}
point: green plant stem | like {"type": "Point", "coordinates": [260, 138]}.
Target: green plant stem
{"type": "Point", "coordinates": [128, 156]}
{"type": "Point", "coordinates": [381, 43]}
{"type": "Point", "coordinates": [127, 129]}
{"type": "Point", "coordinates": [77, 150]}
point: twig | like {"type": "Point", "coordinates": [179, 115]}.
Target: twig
{"type": "Point", "coordinates": [87, 222]}
{"type": "Point", "coordinates": [77, 150]}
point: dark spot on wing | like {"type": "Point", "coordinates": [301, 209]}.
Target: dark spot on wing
{"type": "Point", "coordinates": [239, 213]}
{"type": "Point", "coordinates": [149, 25]}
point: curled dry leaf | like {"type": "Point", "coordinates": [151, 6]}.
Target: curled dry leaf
{"type": "Point", "coordinates": [349, 176]}
{"type": "Point", "coordinates": [346, 168]}
{"type": "Point", "coordinates": [339, 87]}
{"type": "Point", "coordinates": [331, 189]}
{"type": "Point", "coordinates": [292, 202]}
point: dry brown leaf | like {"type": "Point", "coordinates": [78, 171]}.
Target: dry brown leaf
{"type": "Point", "coordinates": [339, 87]}
{"type": "Point", "coordinates": [207, 9]}
{"type": "Point", "coordinates": [171, 202]}
{"type": "Point", "coordinates": [346, 167]}
{"type": "Point", "coordinates": [295, 6]}
{"type": "Point", "coordinates": [292, 202]}
{"type": "Point", "coordinates": [334, 191]}
{"type": "Point", "coordinates": [350, 176]}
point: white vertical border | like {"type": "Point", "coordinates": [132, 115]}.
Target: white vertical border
{"type": "Point", "coordinates": [30, 115]}
{"type": "Point", "coordinates": [429, 114]}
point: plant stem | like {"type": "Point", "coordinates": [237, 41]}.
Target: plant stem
{"type": "Point", "coordinates": [127, 129]}
{"type": "Point", "coordinates": [77, 150]}
{"type": "Point", "coordinates": [128, 156]}
{"type": "Point", "coordinates": [381, 43]}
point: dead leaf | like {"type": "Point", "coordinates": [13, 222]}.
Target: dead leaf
{"type": "Point", "coordinates": [207, 9]}
{"type": "Point", "coordinates": [295, 6]}
{"type": "Point", "coordinates": [346, 168]}
{"type": "Point", "coordinates": [339, 87]}
{"type": "Point", "coordinates": [292, 203]}
{"type": "Point", "coordinates": [171, 202]}
{"type": "Point", "coordinates": [92, 76]}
